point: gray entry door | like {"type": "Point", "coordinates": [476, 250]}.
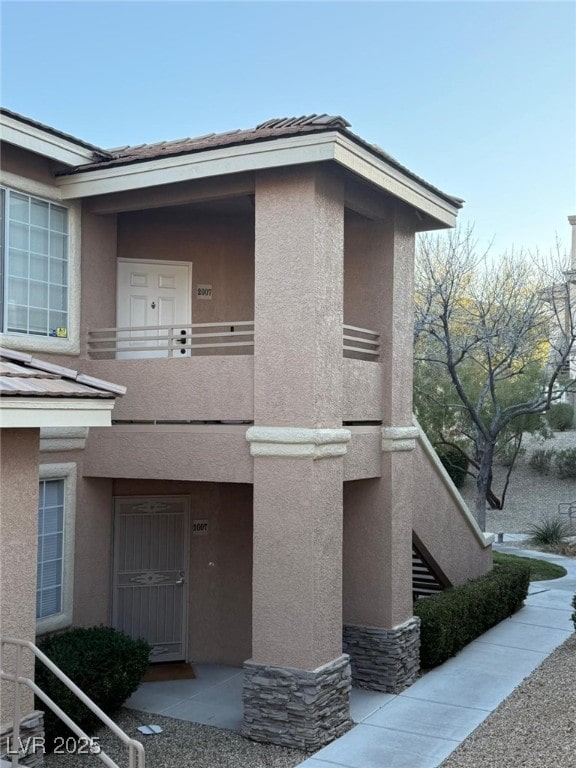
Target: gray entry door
{"type": "Point", "coordinates": [151, 543]}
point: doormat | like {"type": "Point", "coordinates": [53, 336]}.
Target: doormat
{"type": "Point", "coordinates": [168, 670]}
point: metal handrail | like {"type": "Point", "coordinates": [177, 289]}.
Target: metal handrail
{"type": "Point", "coordinates": [570, 510]}
{"type": "Point", "coordinates": [136, 756]}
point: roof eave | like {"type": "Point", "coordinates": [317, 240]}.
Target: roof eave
{"type": "Point", "coordinates": [45, 141]}
{"type": "Point", "coordinates": [336, 146]}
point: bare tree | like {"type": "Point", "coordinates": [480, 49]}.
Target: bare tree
{"type": "Point", "coordinates": [493, 341]}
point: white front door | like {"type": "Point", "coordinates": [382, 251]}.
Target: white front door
{"type": "Point", "coordinates": [151, 294]}
{"type": "Point", "coordinates": [150, 592]}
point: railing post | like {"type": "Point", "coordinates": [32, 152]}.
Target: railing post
{"type": "Point", "coordinates": [17, 708]}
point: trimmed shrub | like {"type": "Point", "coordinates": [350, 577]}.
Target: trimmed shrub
{"type": "Point", "coordinates": [455, 463]}
{"type": "Point", "coordinates": [541, 461]}
{"type": "Point", "coordinates": [105, 664]}
{"type": "Point", "coordinates": [560, 416]}
{"type": "Point", "coordinates": [549, 531]}
{"type": "Point", "coordinates": [566, 463]}
{"type": "Point", "coordinates": [453, 618]}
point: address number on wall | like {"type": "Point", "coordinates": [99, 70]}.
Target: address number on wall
{"type": "Point", "coordinates": [204, 292]}
{"type": "Point", "coordinates": [199, 527]}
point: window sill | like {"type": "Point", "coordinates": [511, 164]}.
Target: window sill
{"type": "Point", "coordinates": [41, 344]}
{"type": "Point", "coordinates": [53, 623]}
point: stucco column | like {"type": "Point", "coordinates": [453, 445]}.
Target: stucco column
{"type": "Point", "coordinates": [18, 552]}
{"type": "Point", "coordinates": [380, 633]}
{"type": "Point", "coordinates": [297, 682]}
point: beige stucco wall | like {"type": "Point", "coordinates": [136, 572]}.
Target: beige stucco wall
{"type": "Point", "coordinates": [443, 528]}
{"type": "Point", "coordinates": [299, 284]}
{"type": "Point", "coordinates": [220, 562]}
{"type": "Point", "coordinates": [297, 586]}
{"type": "Point", "coordinates": [378, 512]}
{"type": "Point", "coordinates": [221, 249]}
{"type": "Point", "coordinates": [363, 457]}
{"type": "Point", "coordinates": [377, 579]}
{"type": "Point", "coordinates": [366, 247]}
{"type": "Point", "coordinates": [199, 388]}
{"type": "Point", "coordinates": [18, 550]}
{"type": "Point", "coordinates": [217, 453]}
{"type": "Point", "coordinates": [362, 385]}
{"type": "Point", "coordinates": [98, 309]}
{"type": "Point", "coordinates": [93, 551]}
{"type": "Point", "coordinates": [297, 562]}
{"type": "Point", "coordinates": [397, 274]}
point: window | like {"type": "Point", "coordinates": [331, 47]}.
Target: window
{"type": "Point", "coordinates": [50, 548]}
{"type": "Point", "coordinates": [34, 266]}
{"type": "Point", "coordinates": [56, 523]}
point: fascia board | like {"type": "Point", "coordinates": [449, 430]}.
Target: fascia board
{"type": "Point", "coordinates": [295, 150]}
{"type": "Point", "coordinates": [22, 412]}
{"type": "Point", "coordinates": [377, 171]}
{"type": "Point", "coordinates": [43, 143]}
{"type": "Point", "coordinates": [199, 165]}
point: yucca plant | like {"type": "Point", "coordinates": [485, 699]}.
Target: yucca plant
{"type": "Point", "coordinates": [549, 531]}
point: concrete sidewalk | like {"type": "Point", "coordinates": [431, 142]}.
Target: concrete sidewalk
{"type": "Point", "coordinates": [420, 727]}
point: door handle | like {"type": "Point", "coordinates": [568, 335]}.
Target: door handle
{"type": "Point", "coordinates": [180, 581]}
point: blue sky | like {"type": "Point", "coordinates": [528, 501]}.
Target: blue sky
{"type": "Point", "coordinates": [479, 98]}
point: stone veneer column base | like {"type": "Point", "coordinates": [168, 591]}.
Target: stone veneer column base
{"type": "Point", "coordinates": [31, 727]}
{"type": "Point", "coordinates": [383, 659]}
{"type": "Point", "coordinates": [294, 707]}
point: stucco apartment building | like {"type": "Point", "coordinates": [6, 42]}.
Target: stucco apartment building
{"type": "Point", "coordinates": [258, 495]}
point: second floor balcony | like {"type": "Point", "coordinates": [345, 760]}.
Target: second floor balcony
{"type": "Point", "coordinates": [214, 381]}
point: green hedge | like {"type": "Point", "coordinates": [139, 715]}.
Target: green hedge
{"type": "Point", "coordinates": [453, 618]}
{"type": "Point", "coordinates": [105, 664]}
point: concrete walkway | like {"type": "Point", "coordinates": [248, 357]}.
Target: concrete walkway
{"type": "Point", "coordinates": [420, 727]}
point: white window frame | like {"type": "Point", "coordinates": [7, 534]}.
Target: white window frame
{"type": "Point", "coordinates": [68, 473]}
{"type": "Point", "coordinates": [51, 344]}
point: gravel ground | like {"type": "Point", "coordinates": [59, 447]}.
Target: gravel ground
{"type": "Point", "coordinates": [530, 496]}
{"type": "Point", "coordinates": [183, 745]}
{"type": "Point", "coordinates": [535, 727]}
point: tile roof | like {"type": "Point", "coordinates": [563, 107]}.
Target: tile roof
{"type": "Point", "coordinates": [269, 130]}
{"type": "Point", "coordinates": [24, 375]}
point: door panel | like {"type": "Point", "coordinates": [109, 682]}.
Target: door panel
{"type": "Point", "coordinates": [167, 310]}
{"type": "Point", "coordinates": [152, 294]}
{"type": "Point", "coordinates": [151, 539]}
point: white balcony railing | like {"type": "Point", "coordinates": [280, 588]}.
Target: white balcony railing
{"type": "Point", "coordinates": [169, 340]}
{"type": "Point", "coordinates": [361, 341]}
{"type": "Point", "coordinates": [226, 337]}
